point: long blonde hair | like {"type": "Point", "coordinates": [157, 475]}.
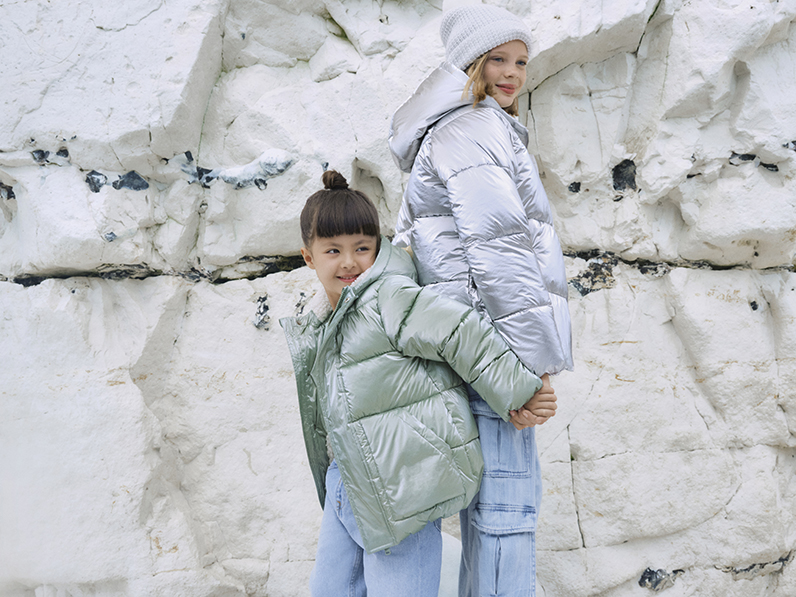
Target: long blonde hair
{"type": "Point", "coordinates": [481, 88]}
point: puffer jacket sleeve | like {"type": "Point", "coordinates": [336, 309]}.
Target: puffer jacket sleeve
{"type": "Point", "coordinates": [503, 239]}
{"type": "Point", "coordinates": [421, 323]}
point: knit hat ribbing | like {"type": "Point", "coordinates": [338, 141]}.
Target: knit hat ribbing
{"type": "Point", "coordinates": [469, 31]}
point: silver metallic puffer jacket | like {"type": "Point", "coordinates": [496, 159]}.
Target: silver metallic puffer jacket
{"type": "Point", "coordinates": [477, 217]}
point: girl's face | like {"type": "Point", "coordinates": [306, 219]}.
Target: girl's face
{"type": "Point", "coordinates": [340, 260]}
{"type": "Point", "coordinates": [504, 71]}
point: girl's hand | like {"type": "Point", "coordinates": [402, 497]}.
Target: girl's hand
{"type": "Point", "coordinates": [523, 418]}
{"type": "Point", "coordinates": [538, 409]}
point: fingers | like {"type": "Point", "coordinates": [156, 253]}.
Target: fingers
{"type": "Point", "coordinates": [523, 418]}
{"type": "Point", "coordinates": [543, 409]}
{"type": "Point", "coordinates": [546, 402]}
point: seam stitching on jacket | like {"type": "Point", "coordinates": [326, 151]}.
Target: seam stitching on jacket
{"type": "Point", "coordinates": [475, 243]}
{"type": "Point", "coordinates": [455, 330]}
{"type": "Point", "coordinates": [370, 464]}
{"type": "Point", "coordinates": [434, 396]}
{"type": "Point", "coordinates": [403, 320]}
{"type": "Point", "coordinates": [520, 311]}
{"type": "Point", "coordinates": [481, 165]}
{"type": "Point", "coordinates": [366, 359]}
{"type": "Point", "coordinates": [492, 362]}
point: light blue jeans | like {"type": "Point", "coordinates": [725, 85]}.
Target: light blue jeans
{"type": "Point", "coordinates": [499, 526]}
{"type": "Point", "coordinates": [344, 569]}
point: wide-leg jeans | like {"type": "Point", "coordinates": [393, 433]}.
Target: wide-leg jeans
{"type": "Point", "coordinates": [344, 569]}
{"type": "Point", "coordinates": [499, 527]}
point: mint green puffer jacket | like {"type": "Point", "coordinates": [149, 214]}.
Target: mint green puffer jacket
{"type": "Point", "coordinates": [381, 375]}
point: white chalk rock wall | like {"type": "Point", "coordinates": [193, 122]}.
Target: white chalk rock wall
{"type": "Point", "coordinates": [154, 158]}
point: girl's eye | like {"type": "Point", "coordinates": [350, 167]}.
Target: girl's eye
{"type": "Point", "coordinates": [522, 63]}
{"type": "Point", "coordinates": [497, 58]}
{"type": "Point", "coordinates": [333, 251]}
{"type": "Point", "coordinates": [363, 249]}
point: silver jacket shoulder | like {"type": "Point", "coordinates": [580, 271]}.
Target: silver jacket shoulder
{"type": "Point", "coordinates": [478, 219]}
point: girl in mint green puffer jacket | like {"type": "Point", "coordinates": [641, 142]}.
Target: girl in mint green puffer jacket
{"type": "Point", "coordinates": [380, 375]}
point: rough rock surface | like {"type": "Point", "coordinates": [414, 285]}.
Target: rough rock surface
{"type": "Point", "coordinates": [154, 158]}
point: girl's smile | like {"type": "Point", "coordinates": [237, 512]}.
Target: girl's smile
{"type": "Point", "coordinates": [507, 89]}
{"type": "Point", "coordinates": [346, 279]}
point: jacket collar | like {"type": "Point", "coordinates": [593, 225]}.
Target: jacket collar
{"type": "Point", "coordinates": [439, 94]}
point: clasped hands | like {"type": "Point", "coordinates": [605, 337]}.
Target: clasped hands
{"type": "Point", "coordinates": [538, 409]}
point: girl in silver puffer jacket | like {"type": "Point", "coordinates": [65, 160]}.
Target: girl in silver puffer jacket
{"type": "Point", "coordinates": [478, 221]}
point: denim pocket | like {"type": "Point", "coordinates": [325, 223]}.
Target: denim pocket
{"type": "Point", "coordinates": [503, 519]}
{"type": "Point", "coordinates": [507, 452]}
{"type": "Point", "coordinates": [510, 488]}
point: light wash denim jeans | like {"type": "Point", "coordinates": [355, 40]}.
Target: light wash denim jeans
{"type": "Point", "coordinates": [499, 526]}
{"type": "Point", "coordinates": [344, 569]}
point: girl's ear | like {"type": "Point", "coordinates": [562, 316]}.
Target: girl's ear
{"type": "Point", "coordinates": [305, 253]}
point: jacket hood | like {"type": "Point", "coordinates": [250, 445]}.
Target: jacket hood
{"type": "Point", "coordinates": [439, 94]}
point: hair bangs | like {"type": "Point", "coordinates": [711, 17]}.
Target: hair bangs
{"type": "Point", "coordinates": [348, 213]}
{"type": "Point", "coordinates": [333, 212]}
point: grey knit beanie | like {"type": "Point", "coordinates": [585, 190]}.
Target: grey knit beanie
{"type": "Point", "coordinates": [469, 31]}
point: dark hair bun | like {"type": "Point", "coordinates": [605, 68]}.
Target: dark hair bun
{"type": "Point", "coordinates": [333, 180]}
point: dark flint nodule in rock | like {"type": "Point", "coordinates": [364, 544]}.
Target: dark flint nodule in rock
{"type": "Point", "coordinates": [62, 153]}
{"type": "Point", "coordinates": [40, 155]}
{"type": "Point", "coordinates": [658, 580]}
{"type": "Point", "coordinates": [203, 176]}
{"type": "Point", "coordinates": [574, 187]}
{"type": "Point", "coordinates": [739, 158]}
{"type": "Point", "coordinates": [656, 270]}
{"type": "Point", "coordinates": [598, 275]}
{"type": "Point", "coordinates": [624, 174]}
{"type": "Point", "coordinates": [261, 318]}
{"type": "Point", "coordinates": [300, 304]}
{"type": "Point", "coordinates": [132, 180]}
{"type": "Point", "coordinates": [111, 271]}
{"type": "Point", "coordinates": [7, 192]}
{"type": "Point", "coordinates": [96, 180]}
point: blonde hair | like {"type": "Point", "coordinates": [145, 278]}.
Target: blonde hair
{"type": "Point", "coordinates": [481, 88]}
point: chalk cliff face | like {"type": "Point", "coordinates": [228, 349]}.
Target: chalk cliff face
{"type": "Point", "coordinates": [154, 158]}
